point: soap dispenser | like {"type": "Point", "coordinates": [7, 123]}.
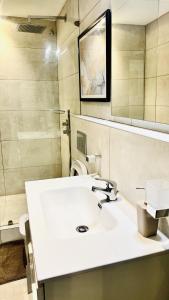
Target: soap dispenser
{"type": "Point", "coordinates": [147, 225]}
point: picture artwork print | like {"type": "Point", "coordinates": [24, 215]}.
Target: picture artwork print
{"type": "Point", "coordinates": [95, 60]}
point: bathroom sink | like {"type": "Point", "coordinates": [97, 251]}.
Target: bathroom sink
{"type": "Point", "coordinates": [71, 234]}
{"type": "Point", "coordinates": [74, 212]}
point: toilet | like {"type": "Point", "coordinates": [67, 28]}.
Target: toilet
{"type": "Point", "coordinates": [78, 168]}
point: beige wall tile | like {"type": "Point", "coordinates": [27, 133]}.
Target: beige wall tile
{"type": "Point", "coordinates": [128, 92]}
{"type": "Point", "coordinates": [163, 90]}
{"type": "Point", "coordinates": [25, 153]}
{"type": "Point", "coordinates": [64, 29]}
{"type": "Point", "coordinates": [2, 208]}
{"type": "Point", "coordinates": [34, 95]}
{"type": "Point", "coordinates": [2, 184]}
{"type": "Point", "coordinates": [163, 60]}
{"type": "Point", "coordinates": [127, 64]}
{"type": "Point", "coordinates": [42, 172]}
{"type": "Point", "coordinates": [14, 183]}
{"type": "Point", "coordinates": [97, 109]}
{"type": "Point", "coordinates": [163, 34]}
{"type": "Point", "coordinates": [151, 63]}
{"type": "Point", "coordinates": [120, 111]}
{"type": "Point", "coordinates": [150, 113]}
{"type": "Point", "coordinates": [136, 92]}
{"type": "Point", "coordinates": [128, 37]}
{"type": "Point", "coordinates": [65, 148]}
{"type": "Point", "coordinates": [135, 159]}
{"type": "Point", "coordinates": [162, 114]}
{"type": "Point", "coordinates": [120, 92]}
{"type": "Point", "coordinates": [100, 146]}
{"type": "Point", "coordinates": [68, 57]}
{"type": "Point", "coordinates": [116, 5]}
{"type": "Point", "coordinates": [15, 178]}
{"type": "Point", "coordinates": [69, 93]}
{"type": "Point", "coordinates": [16, 125]}
{"type": "Point", "coordinates": [38, 124]}
{"type": "Point", "coordinates": [86, 6]}
{"type": "Point", "coordinates": [9, 125]}
{"type": "Point", "coordinates": [93, 14]}
{"type": "Point", "coordinates": [11, 154]}
{"type": "Point", "coordinates": [39, 152]}
{"type": "Point", "coordinates": [28, 64]}
{"type": "Point", "coordinates": [136, 112]}
{"type": "Point", "coordinates": [65, 156]}
{"type": "Point", "coordinates": [150, 91]}
{"type": "Point", "coordinates": [1, 165]}
{"type": "Point", "coordinates": [152, 35]}
{"type": "Point", "coordinates": [14, 207]}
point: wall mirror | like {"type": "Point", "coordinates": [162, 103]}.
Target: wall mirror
{"type": "Point", "coordinates": [94, 60]}
{"type": "Point", "coordinates": [140, 60]}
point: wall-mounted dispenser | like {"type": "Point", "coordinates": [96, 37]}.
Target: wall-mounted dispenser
{"type": "Point", "coordinates": [157, 198]}
{"type": "Point", "coordinates": [147, 225]}
{"type": "Point", "coordinates": [155, 206]}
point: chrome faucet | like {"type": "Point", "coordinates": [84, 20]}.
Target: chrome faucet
{"type": "Point", "coordinates": [107, 191]}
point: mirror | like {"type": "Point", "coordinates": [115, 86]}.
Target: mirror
{"type": "Point", "coordinates": [140, 60]}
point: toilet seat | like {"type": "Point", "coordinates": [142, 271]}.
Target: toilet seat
{"type": "Point", "coordinates": [78, 168]}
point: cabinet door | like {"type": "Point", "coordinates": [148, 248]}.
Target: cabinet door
{"type": "Point", "coordinates": [32, 284]}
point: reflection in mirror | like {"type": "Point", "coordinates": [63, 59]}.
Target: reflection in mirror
{"type": "Point", "coordinates": [140, 59]}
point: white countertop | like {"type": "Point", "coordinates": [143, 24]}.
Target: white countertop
{"type": "Point", "coordinates": [55, 257]}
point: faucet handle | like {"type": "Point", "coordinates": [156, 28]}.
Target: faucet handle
{"type": "Point", "coordinates": [108, 183]}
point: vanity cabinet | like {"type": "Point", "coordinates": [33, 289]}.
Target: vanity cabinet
{"type": "Point", "coordinates": [144, 278]}
{"type": "Point", "coordinates": [137, 279]}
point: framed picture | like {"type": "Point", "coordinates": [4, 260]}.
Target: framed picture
{"type": "Point", "coordinates": [95, 60]}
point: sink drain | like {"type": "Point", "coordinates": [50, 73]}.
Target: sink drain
{"type": "Point", "coordinates": [82, 228]}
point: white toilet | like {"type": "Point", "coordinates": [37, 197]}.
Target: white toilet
{"type": "Point", "coordinates": [78, 168]}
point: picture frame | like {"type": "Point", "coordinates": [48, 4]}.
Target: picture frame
{"type": "Point", "coordinates": [94, 45]}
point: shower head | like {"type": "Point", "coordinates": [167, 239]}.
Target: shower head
{"type": "Point", "coordinates": [32, 28]}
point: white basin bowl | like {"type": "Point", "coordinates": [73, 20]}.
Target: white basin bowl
{"type": "Point", "coordinates": [66, 209]}
{"type": "Point", "coordinates": [57, 206]}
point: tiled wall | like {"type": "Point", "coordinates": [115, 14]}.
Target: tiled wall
{"type": "Point", "coordinates": [30, 133]}
{"type": "Point", "coordinates": [128, 158]}
{"type": "Point", "coordinates": [30, 143]}
{"type": "Point", "coordinates": [157, 70]}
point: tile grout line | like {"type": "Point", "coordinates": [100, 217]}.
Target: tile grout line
{"type": "Point", "coordinates": [3, 166]}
